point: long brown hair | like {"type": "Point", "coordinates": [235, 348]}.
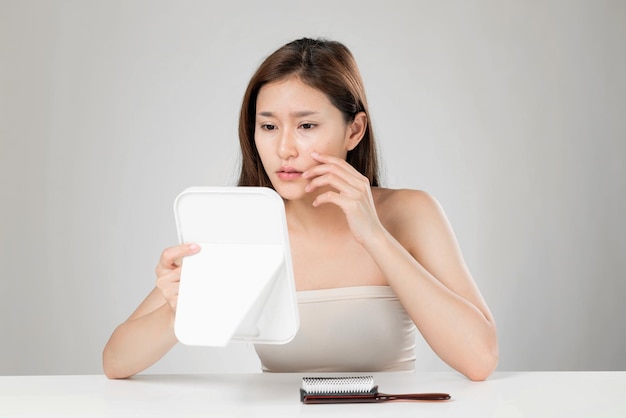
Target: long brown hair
{"type": "Point", "coordinates": [327, 66]}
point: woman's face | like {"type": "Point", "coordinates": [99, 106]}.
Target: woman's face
{"type": "Point", "coordinates": [294, 120]}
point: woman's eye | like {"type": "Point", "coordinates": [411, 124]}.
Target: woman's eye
{"type": "Point", "coordinates": [307, 126]}
{"type": "Point", "coordinates": [268, 127]}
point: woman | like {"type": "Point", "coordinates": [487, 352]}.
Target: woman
{"type": "Point", "coordinates": [371, 264]}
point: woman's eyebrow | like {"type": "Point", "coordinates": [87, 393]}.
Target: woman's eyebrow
{"type": "Point", "coordinates": [297, 114]}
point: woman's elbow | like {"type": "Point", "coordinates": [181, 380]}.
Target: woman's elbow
{"type": "Point", "coordinates": [484, 364]}
{"type": "Point", "coordinates": [111, 368]}
{"type": "Point", "coordinates": [113, 373]}
{"type": "Point", "coordinates": [481, 372]}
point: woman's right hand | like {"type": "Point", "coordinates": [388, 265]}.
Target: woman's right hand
{"type": "Point", "coordinates": [168, 271]}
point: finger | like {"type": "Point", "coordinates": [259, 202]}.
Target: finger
{"type": "Point", "coordinates": [322, 169]}
{"type": "Point", "coordinates": [346, 204]}
{"type": "Point", "coordinates": [338, 166]}
{"type": "Point", "coordinates": [327, 158]}
{"type": "Point", "coordinates": [169, 285]}
{"type": "Point", "coordinates": [167, 278]}
{"type": "Point", "coordinates": [337, 182]}
{"type": "Point", "coordinates": [328, 162]}
{"type": "Point", "coordinates": [172, 256]}
{"type": "Point", "coordinates": [170, 291]}
{"type": "Point", "coordinates": [346, 181]}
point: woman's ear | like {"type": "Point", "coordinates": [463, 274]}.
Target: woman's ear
{"type": "Point", "coordinates": [356, 131]}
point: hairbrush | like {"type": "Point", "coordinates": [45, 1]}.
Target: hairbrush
{"type": "Point", "coordinates": [358, 389]}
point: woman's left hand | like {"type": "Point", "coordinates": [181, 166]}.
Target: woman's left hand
{"type": "Point", "coordinates": [352, 193]}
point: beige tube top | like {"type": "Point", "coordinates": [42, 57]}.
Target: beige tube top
{"type": "Point", "coordinates": [349, 329]}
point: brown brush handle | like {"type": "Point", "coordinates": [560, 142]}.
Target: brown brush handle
{"type": "Point", "coordinates": [381, 397]}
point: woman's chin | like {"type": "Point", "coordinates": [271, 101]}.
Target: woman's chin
{"type": "Point", "coordinates": [290, 191]}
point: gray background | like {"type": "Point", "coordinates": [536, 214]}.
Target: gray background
{"type": "Point", "coordinates": [511, 113]}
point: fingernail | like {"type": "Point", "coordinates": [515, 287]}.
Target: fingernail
{"type": "Point", "coordinates": [194, 247]}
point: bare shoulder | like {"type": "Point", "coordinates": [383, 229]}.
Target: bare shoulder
{"type": "Point", "coordinates": [411, 216]}
{"type": "Point", "coordinates": [404, 205]}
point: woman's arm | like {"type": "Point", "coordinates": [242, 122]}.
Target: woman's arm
{"type": "Point", "coordinates": [437, 291]}
{"type": "Point", "coordinates": [421, 261]}
{"type": "Point", "coordinates": [148, 334]}
{"type": "Point", "coordinates": [141, 340]}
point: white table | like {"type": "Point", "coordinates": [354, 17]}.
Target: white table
{"type": "Point", "coordinates": [531, 394]}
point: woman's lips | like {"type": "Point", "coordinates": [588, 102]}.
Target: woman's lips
{"type": "Point", "coordinates": [288, 173]}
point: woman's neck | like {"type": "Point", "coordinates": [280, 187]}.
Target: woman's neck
{"type": "Point", "coordinates": [324, 219]}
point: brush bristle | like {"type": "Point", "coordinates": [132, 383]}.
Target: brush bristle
{"type": "Point", "coordinates": [338, 385]}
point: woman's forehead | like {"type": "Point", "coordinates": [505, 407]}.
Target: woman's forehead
{"type": "Point", "coordinates": [291, 97]}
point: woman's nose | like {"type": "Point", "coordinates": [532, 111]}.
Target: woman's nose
{"type": "Point", "coordinates": [287, 145]}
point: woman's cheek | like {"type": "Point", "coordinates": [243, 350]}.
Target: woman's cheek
{"type": "Point", "coordinates": [306, 145]}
